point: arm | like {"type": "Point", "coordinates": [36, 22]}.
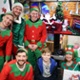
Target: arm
{"type": "Point", "coordinates": [21, 33]}
{"type": "Point", "coordinates": [43, 37]}
{"type": "Point", "coordinates": [9, 47]}
{"type": "Point", "coordinates": [37, 74]}
{"type": "Point", "coordinates": [30, 74]}
{"type": "Point", "coordinates": [4, 73]}
{"type": "Point", "coordinates": [55, 73]}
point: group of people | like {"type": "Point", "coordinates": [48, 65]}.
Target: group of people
{"type": "Point", "coordinates": [21, 45]}
{"type": "Point", "coordinates": [23, 54]}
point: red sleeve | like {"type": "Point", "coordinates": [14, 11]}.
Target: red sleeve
{"type": "Point", "coordinates": [44, 33]}
{"type": "Point", "coordinates": [30, 74]}
{"type": "Point", "coordinates": [4, 73]}
{"type": "Point", "coordinates": [9, 47]}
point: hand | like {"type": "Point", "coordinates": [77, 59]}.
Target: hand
{"type": "Point", "coordinates": [5, 62]}
{"type": "Point", "coordinates": [34, 47]}
{"type": "Point", "coordinates": [79, 63]}
{"type": "Point", "coordinates": [30, 46]}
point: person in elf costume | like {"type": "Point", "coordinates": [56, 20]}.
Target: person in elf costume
{"type": "Point", "coordinates": [70, 62]}
{"type": "Point", "coordinates": [18, 69]}
{"type": "Point", "coordinates": [35, 35]}
{"type": "Point", "coordinates": [5, 39]}
{"type": "Point", "coordinates": [18, 26]}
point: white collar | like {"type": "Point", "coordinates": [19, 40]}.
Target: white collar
{"type": "Point", "coordinates": [18, 21]}
{"type": "Point", "coordinates": [21, 69]}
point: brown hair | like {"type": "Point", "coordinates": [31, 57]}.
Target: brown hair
{"type": "Point", "coordinates": [72, 57]}
{"type": "Point", "coordinates": [46, 50]}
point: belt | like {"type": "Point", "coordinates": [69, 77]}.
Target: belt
{"type": "Point", "coordinates": [33, 41]}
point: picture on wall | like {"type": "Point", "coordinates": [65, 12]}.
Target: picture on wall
{"type": "Point", "coordinates": [4, 6]}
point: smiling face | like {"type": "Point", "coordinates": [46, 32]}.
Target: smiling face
{"type": "Point", "coordinates": [69, 57]}
{"type": "Point", "coordinates": [21, 58]}
{"type": "Point", "coordinates": [17, 10]}
{"type": "Point", "coordinates": [7, 20]}
{"type": "Point", "coordinates": [34, 15]}
{"type": "Point", "coordinates": [46, 57]}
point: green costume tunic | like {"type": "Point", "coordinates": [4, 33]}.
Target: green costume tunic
{"type": "Point", "coordinates": [71, 67]}
{"type": "Point", "coordinates": [5, 46]}
{"type": "Point", "coordinates": [18, 32]}
{"type": "Point", "coordinates": [12, 72]}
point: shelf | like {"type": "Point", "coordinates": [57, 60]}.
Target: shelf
{"type": "Point", "coordinates": [58, 57]}
{"type": "Point", "coordinates": [63, 32]}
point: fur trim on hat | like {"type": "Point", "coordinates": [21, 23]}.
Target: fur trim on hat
{"type": "Point", "coordinates": [20, 16]}
{"type": "Point", "coordinates": [18, 4]}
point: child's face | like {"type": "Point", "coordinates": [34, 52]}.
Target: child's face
{"type": "Point", "coordinates": [69, 57]}
{"type": "Point", "coordinates": [46, 57]}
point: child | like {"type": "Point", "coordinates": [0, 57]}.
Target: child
{"type": "Point", "coordinates": [46, 68]}
{"type": "Point", "coordinates": [69, 62]}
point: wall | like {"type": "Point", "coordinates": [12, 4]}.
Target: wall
{"type": "Point", "coordinates": [73, 39]}
{"type": "Point", "coordinates": [70, 6]}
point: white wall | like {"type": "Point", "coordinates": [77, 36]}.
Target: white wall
{"type": "Point", "coordinates": [4, 5]}
{"type": "Point", "coordinates": [73, 39]}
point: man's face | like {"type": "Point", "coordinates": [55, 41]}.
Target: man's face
{"type": "Point", "coordinates": [34, 15]}
{"type": "Point", "coordinates": [21, 58]}
{"type": "Point", "coordinates": [46, 57]}
{"type": "Point", "coordinates": [7, 20]}
{"type": "Point", "coordinates": [17, 10]}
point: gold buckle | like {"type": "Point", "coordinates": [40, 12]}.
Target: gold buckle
{"type": "Point", "coordinates": [32, 40]}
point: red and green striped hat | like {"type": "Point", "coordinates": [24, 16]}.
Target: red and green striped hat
{"type": "Point", "coordinates": [69, 52]}
{"type": "Point", "coordinates": [34, 8]}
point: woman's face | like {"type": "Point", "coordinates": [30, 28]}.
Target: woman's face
{"type": "Point", "coordinates": [69, 57]}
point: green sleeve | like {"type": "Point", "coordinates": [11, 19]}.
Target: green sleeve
{"type": "Point", "coordinates": [1, 15]}
{"type": "Point", "coordinates": [21, 33]}
{"type": "Point", "coordinates": [7, 58]}
{"type": "Point", "coordinates": [39, 44]}
{"type": "Point", "coordinates": [26, 43]}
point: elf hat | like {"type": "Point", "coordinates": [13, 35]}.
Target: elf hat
{"type": "Point", "coordinates": [22, 50]}
{"type": "Point", "coordinates": [34, 8]}
{"type": "Point", "coordinates": [70, 46]}
{"type": "Point", "coordinates": [69, 52]}
{"type": "Point", "coordinates": [9, 13]}
{"type": "Point", "coordinates": [18, 4]}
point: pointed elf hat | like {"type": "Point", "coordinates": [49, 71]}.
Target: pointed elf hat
{"type": "Point", "coordinates": [34, 8]}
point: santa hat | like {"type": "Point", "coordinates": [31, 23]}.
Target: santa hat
{"type": "Point", "coordinates": [34, 8]}
{"type": "Point", "coordinates": [18, 4]}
